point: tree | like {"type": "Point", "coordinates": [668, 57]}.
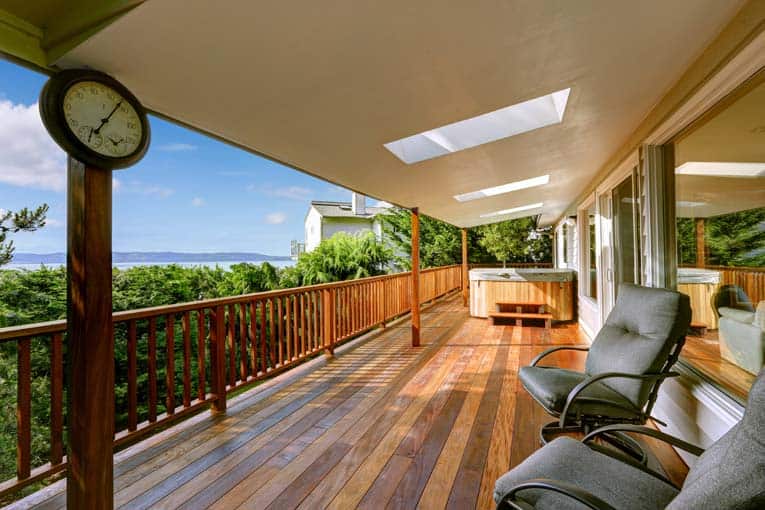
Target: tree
{"type": "Point", "coordinates": [737, 239]}
{"type": "Point", "coordinates": [24, 220]}
{"type": "Point", "coordinates": [509, 241]}
{"type": "Point", "coordinates": [341, 257]}
{"type": "Point", "coordinates": [440, 242]}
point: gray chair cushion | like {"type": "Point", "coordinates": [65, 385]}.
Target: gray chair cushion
{"type": "Point", "coordinates": [638, 336]}
{"type": "Point", "coordinates": [551, 387]}
{"type": "Point", "coordinates": [615, 482]}
{"type": "Point", "coordinates": [731, 473]}
{"type": "Point", "coordinates": [736, 314]}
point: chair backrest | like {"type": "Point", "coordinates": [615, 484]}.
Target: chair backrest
{"type": "Point", "coordinates": [732, 296]}
{"type": "Point", "coordinates": [642, 335]}
{"type": "Point", "coordinates": [731, 473]}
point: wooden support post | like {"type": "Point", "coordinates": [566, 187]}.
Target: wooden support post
{"type": "Point", "coordinates": [415, 298]}
{"type": "Point", "coordinates": [701, 258]}
{"type": "Point", "coordinates": [465, 279]}
{"type": "Point", "coordinates": [90, 339]}
{"type": "Point", "coordinates": [218, 360]}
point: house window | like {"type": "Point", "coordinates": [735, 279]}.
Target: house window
{"type": "Point", "coordinates": [565, 244]}
{"type": "Point", "coordinates": [589, 270]}
{"type": "Point", "coordinates": [720, 229]}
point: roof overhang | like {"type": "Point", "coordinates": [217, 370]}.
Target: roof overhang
{"type": "Point", "coordinates": [322, 86]}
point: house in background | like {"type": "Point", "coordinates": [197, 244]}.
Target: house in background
{"type": "Point", "coordinates": [325, 219]}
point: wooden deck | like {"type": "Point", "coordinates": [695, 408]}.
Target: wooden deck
{"type": "Point", "coordinates": [381, 425]}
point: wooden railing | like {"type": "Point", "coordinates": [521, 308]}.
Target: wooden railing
{"type": "Point", "coordinates": [183, 357]}
{"type": "Point", "coordinates": [751, 279]}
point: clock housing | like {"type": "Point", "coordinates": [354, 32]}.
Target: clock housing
{"type": "Point", "coordinates": [95, 119]}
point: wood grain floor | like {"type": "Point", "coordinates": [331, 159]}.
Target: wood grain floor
{"type": "Point", "coordinates": [703, 353]}
{"type": "Point", "coordinates": [380, 426]}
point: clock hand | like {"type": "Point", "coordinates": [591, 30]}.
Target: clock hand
{"type": "Point", "coordinates": [105, 120]}
{"type": "Point", "coordinates": [90, 135]}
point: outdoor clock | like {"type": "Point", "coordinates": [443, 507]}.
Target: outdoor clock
{"type": "Point", "coordinates": [95, 119]}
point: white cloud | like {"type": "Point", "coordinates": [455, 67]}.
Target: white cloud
{"type": "Point", "coordinates": [116, 184]}
{"type": "Point", "coordinates": [177, 147]}
{"type": "Point", "coordinates": [289, 192]}
{"type": "Point", "coordinates": [197, 202]}
{"type": "Point", "coordinates": [142, 188]}
{"type": "Point", "coordinates": [30, 158]}
{"type": "Point", "coordinates": [54, 223]}
{"type": "Point", "coordinates": [276, 218]}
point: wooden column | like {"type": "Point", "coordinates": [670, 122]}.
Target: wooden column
{"type": "Point", "coordinates": [90, 339]}
{"type": "Point", "coordinates": [415, 298]}
{"type": "Point", "coordinates": [701, 256]}
{"type": "Point", "coordinates": [464, 268]}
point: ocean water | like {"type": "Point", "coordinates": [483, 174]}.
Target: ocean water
{"type": "Point", "coordinates": [127, 265]}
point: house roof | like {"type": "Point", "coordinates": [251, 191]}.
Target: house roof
{"type": "Point", "coordinates": [343, 210]}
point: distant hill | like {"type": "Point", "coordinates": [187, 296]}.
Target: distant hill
{"type": "Point", "coordinates": [151, 257]}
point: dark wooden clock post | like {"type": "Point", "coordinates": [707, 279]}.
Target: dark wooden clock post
{"type": "Point", "coordinates": [90, 338]}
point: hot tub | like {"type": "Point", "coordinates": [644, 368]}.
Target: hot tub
{"type": "Point", "coordinates": [554, 287]}
{"type": "Point", "coordinates": [701, 286]}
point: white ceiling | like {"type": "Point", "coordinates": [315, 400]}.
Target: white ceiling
{"type": "Point", "coordinates": [736, 134]}
{"type": "Point", "coordinates": [321, 86]}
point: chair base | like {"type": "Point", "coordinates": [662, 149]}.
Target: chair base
{"type": "Point", "coordinates": [621, 441]}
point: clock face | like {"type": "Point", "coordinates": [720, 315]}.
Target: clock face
{"type": "Point", "coordinates": [102, 119]}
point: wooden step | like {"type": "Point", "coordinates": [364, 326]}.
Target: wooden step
{"type": "Point", "coordinates": [519, 316]}
{"type": "Point", "coordinates": [516, 303]}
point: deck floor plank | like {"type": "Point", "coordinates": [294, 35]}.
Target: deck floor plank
{"type": "Point", "coordinates": [381, 425]}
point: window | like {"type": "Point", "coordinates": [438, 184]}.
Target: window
{"type": "Point", "coordinates": [720, 193]}
{"type": "Point", "coordinates": [565, 244]}
{"type": "Point", "coordinates": [589, 270]}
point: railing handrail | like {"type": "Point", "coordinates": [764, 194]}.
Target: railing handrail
{"type": "Point", "coordinates": [746, 269]}
{"type": "Point", "coordinates": [59, 326]}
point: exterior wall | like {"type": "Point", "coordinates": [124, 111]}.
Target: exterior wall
{"type": "Point", "coordinates": [693, 408]}
{"type": "Point", "coordinates": [312, 229]}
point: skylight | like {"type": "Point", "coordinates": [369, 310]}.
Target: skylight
{"type": "Point", "coordinates": [721, 169]}
{"type": "Point", "coordinates": [505, 212]}
{"type": "Point", "coordinates": [489, 127]}
{"type": "Point", "coordinates": [504, 188]}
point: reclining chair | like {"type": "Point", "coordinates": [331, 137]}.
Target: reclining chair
{"type": "Point", "coordinates": [568, 474]}
{"type": "Point", "coordinates": [629, 358]}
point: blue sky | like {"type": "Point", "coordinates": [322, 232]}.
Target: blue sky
{"type": "Point", "coordinates": [190, 192]}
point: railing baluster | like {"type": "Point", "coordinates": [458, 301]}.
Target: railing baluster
{"type": "Point", "coordinates": [231, 345]}
{"type": "Point", "coordinates": [295, 331]}
{"type": "Point", "coordinates": [56, 399]}
{"type": "Point", "coordinates": [242, 342]}
{"type": "Point", "coordinates": [170, 364]}
{"type": "Point", "coordinates": [23, 408]}
{"type": "Point", "coordinates": [254, 338]}
{"type": "Point", "coordinates": [218, 359]}
{"type": "Point", "coordinates": [187, 359]}
{"type": "Point", "coordinates": [302, 326]}
{"type": "Point", "coordinates": [132, 376]}
{"type": "Point", "coordinates": [201, 390]}
{"type": "Point", "coordinates": [152, 367]}
{"type": "Point", "coordinates": [263, 338]}
{"type": "Point", "coordinates": [280, 327]}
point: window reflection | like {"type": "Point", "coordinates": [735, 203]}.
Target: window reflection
{"type": "Point", "coordinates": [720, 190]}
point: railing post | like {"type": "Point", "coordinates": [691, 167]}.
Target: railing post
{"type": "Point", "coordinates": [415, 300]}
{"type": "Point", "coordinates": [90, 338]}
{"type": "Point", "coordinates": [465, 279]}
{"type": "Point", "coordinates": [218, 360]}
{"type": "Point", "coordinates": [328, 321]}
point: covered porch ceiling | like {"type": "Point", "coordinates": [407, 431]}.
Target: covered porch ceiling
{"type": "Point", "coordinates": [322, 86]}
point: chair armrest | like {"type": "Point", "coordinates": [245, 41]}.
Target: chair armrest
{"type": "Point", "coordinates": [579, 388]}
{"type": "Point", "coordinates": [647, 431]}
{"type": "Point", "coordinates": [566, 489]}
{"type": "Point", "coordinates": [554, 349]}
